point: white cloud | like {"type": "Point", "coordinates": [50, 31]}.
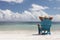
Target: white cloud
{"type": "Point", "coordinates": [31, 15]}
{"type": "Point", "coordinates": [57, 0]}
{"type": "Point", "coordinates": [56, 17]}
{"type": "Point", "coordinates": [16, 1]}
{"type": "Point", "coordinates": [38, 10]}
{"type": "Point", "coordinates": [56, 8]}
{"type": "Point", "coordinates": [38, 7]}
{"type": "Point", "coordinates": [7, 15]}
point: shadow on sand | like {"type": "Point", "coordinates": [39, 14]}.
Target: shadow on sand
{"type": "Point", "coordinates": [40, 34]}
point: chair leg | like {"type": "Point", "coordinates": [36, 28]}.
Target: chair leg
{"type": "Point", "coordinates": [38, 31]}
{"type": "Point", "coordinates": [49, 31]}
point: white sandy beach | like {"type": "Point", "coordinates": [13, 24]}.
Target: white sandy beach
{"type": "Point", "coordinates": [28, 35]}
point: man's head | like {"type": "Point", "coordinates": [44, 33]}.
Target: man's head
{"type": "Point", "coordinates": [45, 17]}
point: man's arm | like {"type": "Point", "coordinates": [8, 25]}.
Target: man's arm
{"type": "Point", "coordinates": [41, 18]}
{"type": "Point", "coordinates": [51, 18]}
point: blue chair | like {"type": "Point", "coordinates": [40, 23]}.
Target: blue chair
{"type": "Point", "coordinates": [46, 25]}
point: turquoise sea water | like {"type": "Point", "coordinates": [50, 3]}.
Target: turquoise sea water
{"type": "Point", "coordinates": [25, 26]}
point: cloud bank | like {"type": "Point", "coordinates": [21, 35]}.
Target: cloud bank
{"type": "Point", "coordinates": [31, 15]}
{"type": "Point", "coordinates": [16, 1]}
{"type": "Point", "coordinates": [56, 17]}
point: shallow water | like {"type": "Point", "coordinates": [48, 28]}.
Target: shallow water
{"type": "Point", "coordinates": [24, 26]}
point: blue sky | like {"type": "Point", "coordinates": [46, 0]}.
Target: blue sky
{"type": "Point", "coordinates": [26, 4]}
{"type": "Point", "coordinates": [21, 6]}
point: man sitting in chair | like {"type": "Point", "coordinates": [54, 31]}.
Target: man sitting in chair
{"type": "Point", "coordinates": [45, 24]}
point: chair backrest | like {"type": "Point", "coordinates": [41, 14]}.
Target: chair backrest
{"type": "Point", "coordinates": [46, 23]}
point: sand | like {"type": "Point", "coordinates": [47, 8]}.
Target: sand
{"type": "Point", "coordinates": [28, 35]}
